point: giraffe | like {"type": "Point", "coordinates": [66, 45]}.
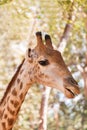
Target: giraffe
{"type": "Point", "coordinates": [42, 64]}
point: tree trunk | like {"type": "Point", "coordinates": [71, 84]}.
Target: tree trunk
{"type": "Point", "coordinates": [56, 117]}
{"type": "Point", "coordinates": [85, 68]}
{"type": "Point", "coordinates": [43, 109]}
{"type": "Point", "coordinates": [84, 74]}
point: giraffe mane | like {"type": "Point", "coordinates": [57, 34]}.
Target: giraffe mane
{"type": "Point", "coordinates": [11, 82]}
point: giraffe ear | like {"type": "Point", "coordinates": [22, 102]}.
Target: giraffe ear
{"type": "Point", "coordinates": [29, 54]}
{"type": "Point", "coordinates": [48, 41]}
{"type": "Point", "coordinates": [39, 40]}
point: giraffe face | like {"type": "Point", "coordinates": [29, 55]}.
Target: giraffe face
{"type": "Point", "coordinates": [51, 69]}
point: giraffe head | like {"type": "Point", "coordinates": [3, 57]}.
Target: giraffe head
{"type": "Point", "coordinates": [50, 69]}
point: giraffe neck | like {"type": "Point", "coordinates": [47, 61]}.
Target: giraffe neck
{"type": "Point", "coordinates": [12, 100]}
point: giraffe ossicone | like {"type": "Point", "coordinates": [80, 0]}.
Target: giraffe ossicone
{"type": "Point", "coordinates": [43, 65]}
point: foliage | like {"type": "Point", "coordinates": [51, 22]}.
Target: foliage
{"type": "Point", "coordinates": [17, 19]}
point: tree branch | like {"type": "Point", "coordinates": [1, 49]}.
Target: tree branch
{"type": "Point", "coordinates": [68, 27]}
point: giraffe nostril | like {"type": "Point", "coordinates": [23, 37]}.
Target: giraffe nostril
{"type": "Point", "coordinates": [72, 81]}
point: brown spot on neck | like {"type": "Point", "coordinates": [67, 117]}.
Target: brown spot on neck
{"type": "Point", "coordinates": [16, 103]}
{"type": "Point", "coordinates": [10, 129]}
{"type": "Point", "coordinates": [10, 121]}
{"type": "Point", "coordinates": [5, 116]}
{"type": "Point", "coordinates": [4, 125]}
{"type": "Point", "coordinates": [12, 112]}
{"type": "Point", "coordinates": [2, 113]}
{"type": "Point", "coordinates": [18, 80]}
{"type": "Point", "coordinates": [21, 85]}
{"type": "Point", "coordinates": [21, 96]}
{"type": "Point", "coordinates": [14, 92]}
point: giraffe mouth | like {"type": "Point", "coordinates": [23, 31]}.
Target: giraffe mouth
{"type": "Point", "coordinates": [71, 92]}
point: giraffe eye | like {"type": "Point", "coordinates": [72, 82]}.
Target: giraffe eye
{"type": "Point", "coordinates": [44, 62]}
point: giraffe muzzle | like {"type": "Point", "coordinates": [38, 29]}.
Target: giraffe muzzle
{"type": "Point", "coordinates": [71, 87]}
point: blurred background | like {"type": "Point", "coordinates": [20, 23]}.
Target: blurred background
{"type": "Point", "coordinates": [66, 22]}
